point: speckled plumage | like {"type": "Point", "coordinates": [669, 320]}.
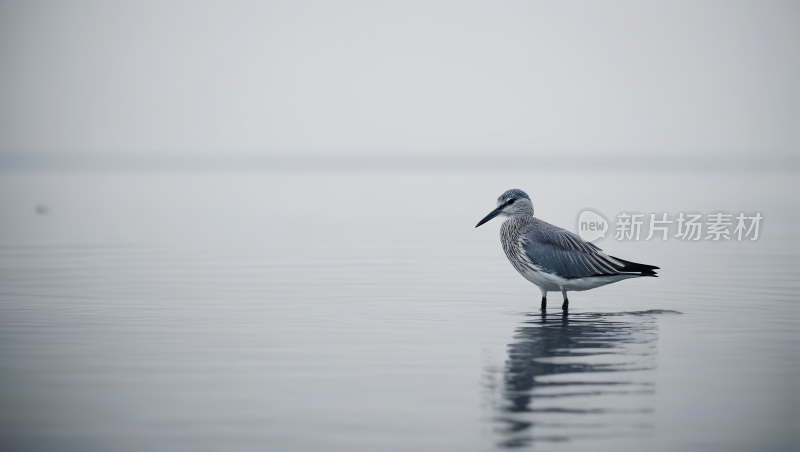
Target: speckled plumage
{"type": "Point", "coordinates": [554, 258]}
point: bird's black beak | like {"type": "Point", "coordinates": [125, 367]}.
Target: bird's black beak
{"type": "Point", "coordinates": [491, 215]}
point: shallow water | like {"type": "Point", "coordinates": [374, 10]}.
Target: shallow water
{"type": "Point", "coordinates": [300, 311]}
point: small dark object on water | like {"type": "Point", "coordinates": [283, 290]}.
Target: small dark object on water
{"type": "Point", "coordinates": [41, 209]}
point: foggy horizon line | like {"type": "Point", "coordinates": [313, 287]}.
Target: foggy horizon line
{"type": "Point", "coordinates": [144, 161]}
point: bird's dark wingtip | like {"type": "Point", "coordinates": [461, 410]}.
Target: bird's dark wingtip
{"type": "Point", "coordinates": [644, 269]}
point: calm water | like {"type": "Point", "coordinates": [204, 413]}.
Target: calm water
{"type": "Point", "coordinates": [309, 311]}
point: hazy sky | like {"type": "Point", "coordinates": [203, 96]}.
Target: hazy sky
{"type": "Point", "coordinates": [387, 77]}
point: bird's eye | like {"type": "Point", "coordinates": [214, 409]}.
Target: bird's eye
{"type": "Point", "coordinates": [510, 201]}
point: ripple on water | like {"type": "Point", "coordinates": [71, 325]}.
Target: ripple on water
{"type": "Point", "coordinates": [577, 376]}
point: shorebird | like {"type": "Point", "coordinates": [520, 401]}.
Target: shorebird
{"type": "Point", "coordinates": [553, 258]}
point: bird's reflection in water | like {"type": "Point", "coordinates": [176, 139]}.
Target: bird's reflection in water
{"type": "Point", "coordinates": [581, 375]}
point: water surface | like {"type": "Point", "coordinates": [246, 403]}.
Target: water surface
{"type": "Point", "coordinates": [300, 311]}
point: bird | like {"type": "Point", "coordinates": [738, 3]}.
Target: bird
{"type": "Point", "coordinates": [553, 258]}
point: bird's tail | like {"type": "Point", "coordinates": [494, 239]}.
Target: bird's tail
{"type": "Point", "coordinates": [633, 267]}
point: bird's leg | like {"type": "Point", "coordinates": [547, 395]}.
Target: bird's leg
{"type": "Point", "coordinates": [565, 306]}
{"type": "Point", "coordinates": [544, 300]}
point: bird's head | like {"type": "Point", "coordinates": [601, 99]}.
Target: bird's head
{"type": "Point", "coordinates": [511, 203]}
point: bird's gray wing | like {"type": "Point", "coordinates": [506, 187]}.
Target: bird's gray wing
{"type": "Point", "coordinates": [564, 253]}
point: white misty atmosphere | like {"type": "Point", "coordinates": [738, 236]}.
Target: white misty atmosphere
{"type": "Point", "coordinates": [656, 79]}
